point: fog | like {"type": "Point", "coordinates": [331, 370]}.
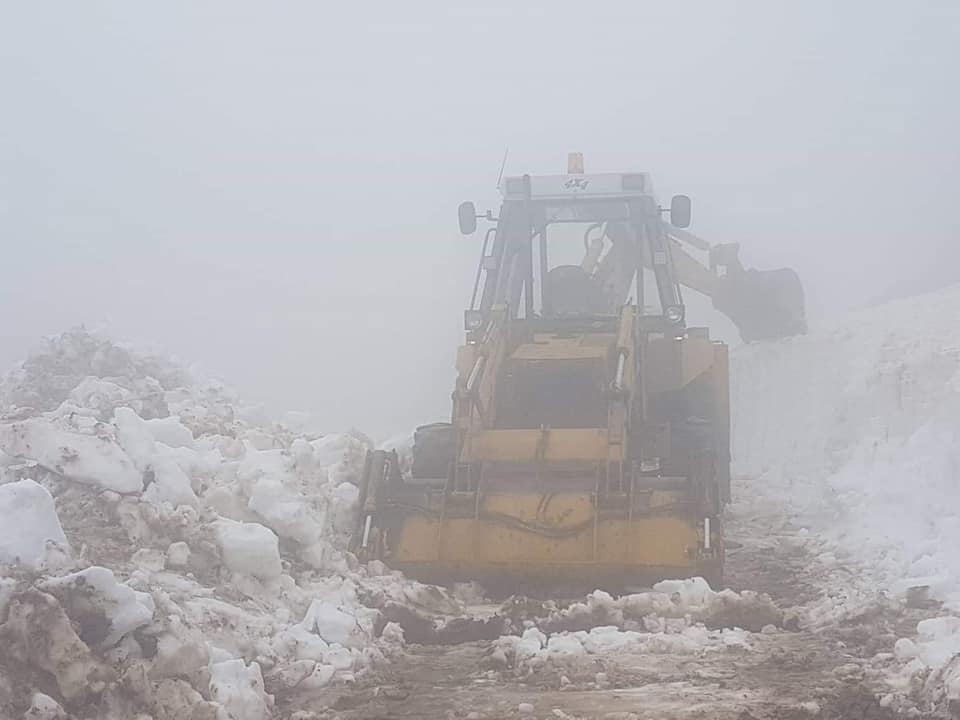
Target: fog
{"type": "Point", "coordinates": [269, 189]}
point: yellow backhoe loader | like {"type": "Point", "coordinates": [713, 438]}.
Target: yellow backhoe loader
{"type": "Point", "coordinates": [589, 440]}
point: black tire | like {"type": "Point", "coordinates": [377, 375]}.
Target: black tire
{"type": "Point", "coordinates": [434, 447]}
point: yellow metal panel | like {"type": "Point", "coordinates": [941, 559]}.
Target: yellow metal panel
{"type": "Point", "coordinates": [555, 510]}
{"type": "Point", "coordinates": [697, 358]}
{"type": "Point", "coordinates": [671, 364]}
{"type": "Point", "coordinates": [466, 357]}
{"type": "Point", "coordinates": [559, 445]}
{"type": "Point", "coordinates": [465, 542]}
{"type": "Point", "coordinates": [560, 351]}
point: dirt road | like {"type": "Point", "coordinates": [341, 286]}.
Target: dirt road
{"type": "Point", "coordinates": [788, 673]}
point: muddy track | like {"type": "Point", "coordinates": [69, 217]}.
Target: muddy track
{"type": "Point", "coordinates": [790, 674]}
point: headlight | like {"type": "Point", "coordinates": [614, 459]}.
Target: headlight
{"type": "Point", "coordinates": [674, 314]}
{"type": "Point", "coordinates": [472, 320]}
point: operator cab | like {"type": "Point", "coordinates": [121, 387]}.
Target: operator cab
{"type": "Point", "coordinates": [569, 248]}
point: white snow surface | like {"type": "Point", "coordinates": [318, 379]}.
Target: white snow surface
{"type": "Point", "coordinates": [28, 524]}
{"type": "Point", "coordinates": [853, 431]}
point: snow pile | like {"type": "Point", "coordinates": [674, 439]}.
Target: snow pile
{"type": "Point", "coordinates": [534, 648]}
{"type": "Point", "coordinates": [679, 617]}
{"type": "Point", "coordinates": [689, 601]}
{"type": "Point", "coordinates": [95, 373]}
{"type": "Point", "coordinates": [853, 431]}
{"type": "Point", "coordinates": [167, 551]}
{"type": "Point", "coordinates": [29, 525]}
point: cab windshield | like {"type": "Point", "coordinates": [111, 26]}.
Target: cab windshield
{"type": "Point", "coordinates": [571, 243]}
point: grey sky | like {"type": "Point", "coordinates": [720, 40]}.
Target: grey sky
{"type": "Point", "coordinates": [269, 189]}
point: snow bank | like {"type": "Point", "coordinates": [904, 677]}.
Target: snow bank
{"type": "Point", "coordinates": [29, 523]}
{"type": "Point", "coordinates": [852, 431]}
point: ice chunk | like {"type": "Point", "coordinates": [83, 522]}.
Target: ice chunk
{"type": "Point", "coordinates": [101, 396]}
{"type": "Point", "coordinates": [249, 548]}
{"type": "Point", "coordinates": [337, 448]}
{"type": "Point", "coordinates": [165, 481]}
{"type": "Point", "coordinates": [168, 484]}
{"type": "Point", "coordinates": [171, 432]}
{"type": "Point", "coordinates": [178, 555]}
{"type": "Point", "coordinates": [296, 641]}
{"type": "Point", "coordinates": [29, 522]}
{"type": "Point", "coordinates": [690, 593]}
{"type": "Point", "coordinates": [334, 625]}
{"type": "Point", "coordinates": [88, 459]}
{"type": "Point", "coordinates": [239, 689]}
{"type": "Point", "coordinates": [289, 514]}
{"type": "Point", "coordinates": [938, 628]}
{"type": "Point", "coordinates": [564, 646]}
{"type": "Point", "coordinates": [134, 437]}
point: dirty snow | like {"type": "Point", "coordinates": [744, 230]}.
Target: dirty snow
{"type": "Point", "coordinates": [223, 579]}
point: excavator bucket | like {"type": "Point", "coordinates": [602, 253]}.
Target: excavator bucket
{"type": "Point", "coordinates": [764, 304]}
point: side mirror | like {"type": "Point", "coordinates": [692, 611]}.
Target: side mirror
{"type": "Point", "coordinates": [680, 211]}
{"type": "Point", "coordinates": [468, 217]}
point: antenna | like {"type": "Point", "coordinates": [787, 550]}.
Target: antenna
{"type": "Point", "coordinates": [503, 165]}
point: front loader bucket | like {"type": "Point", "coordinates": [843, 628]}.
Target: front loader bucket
{"type": "Point", "coordinates": [764, 304]}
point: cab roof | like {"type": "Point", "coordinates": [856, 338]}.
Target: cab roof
{"type": "Point", "coordinates": [577, 185]}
